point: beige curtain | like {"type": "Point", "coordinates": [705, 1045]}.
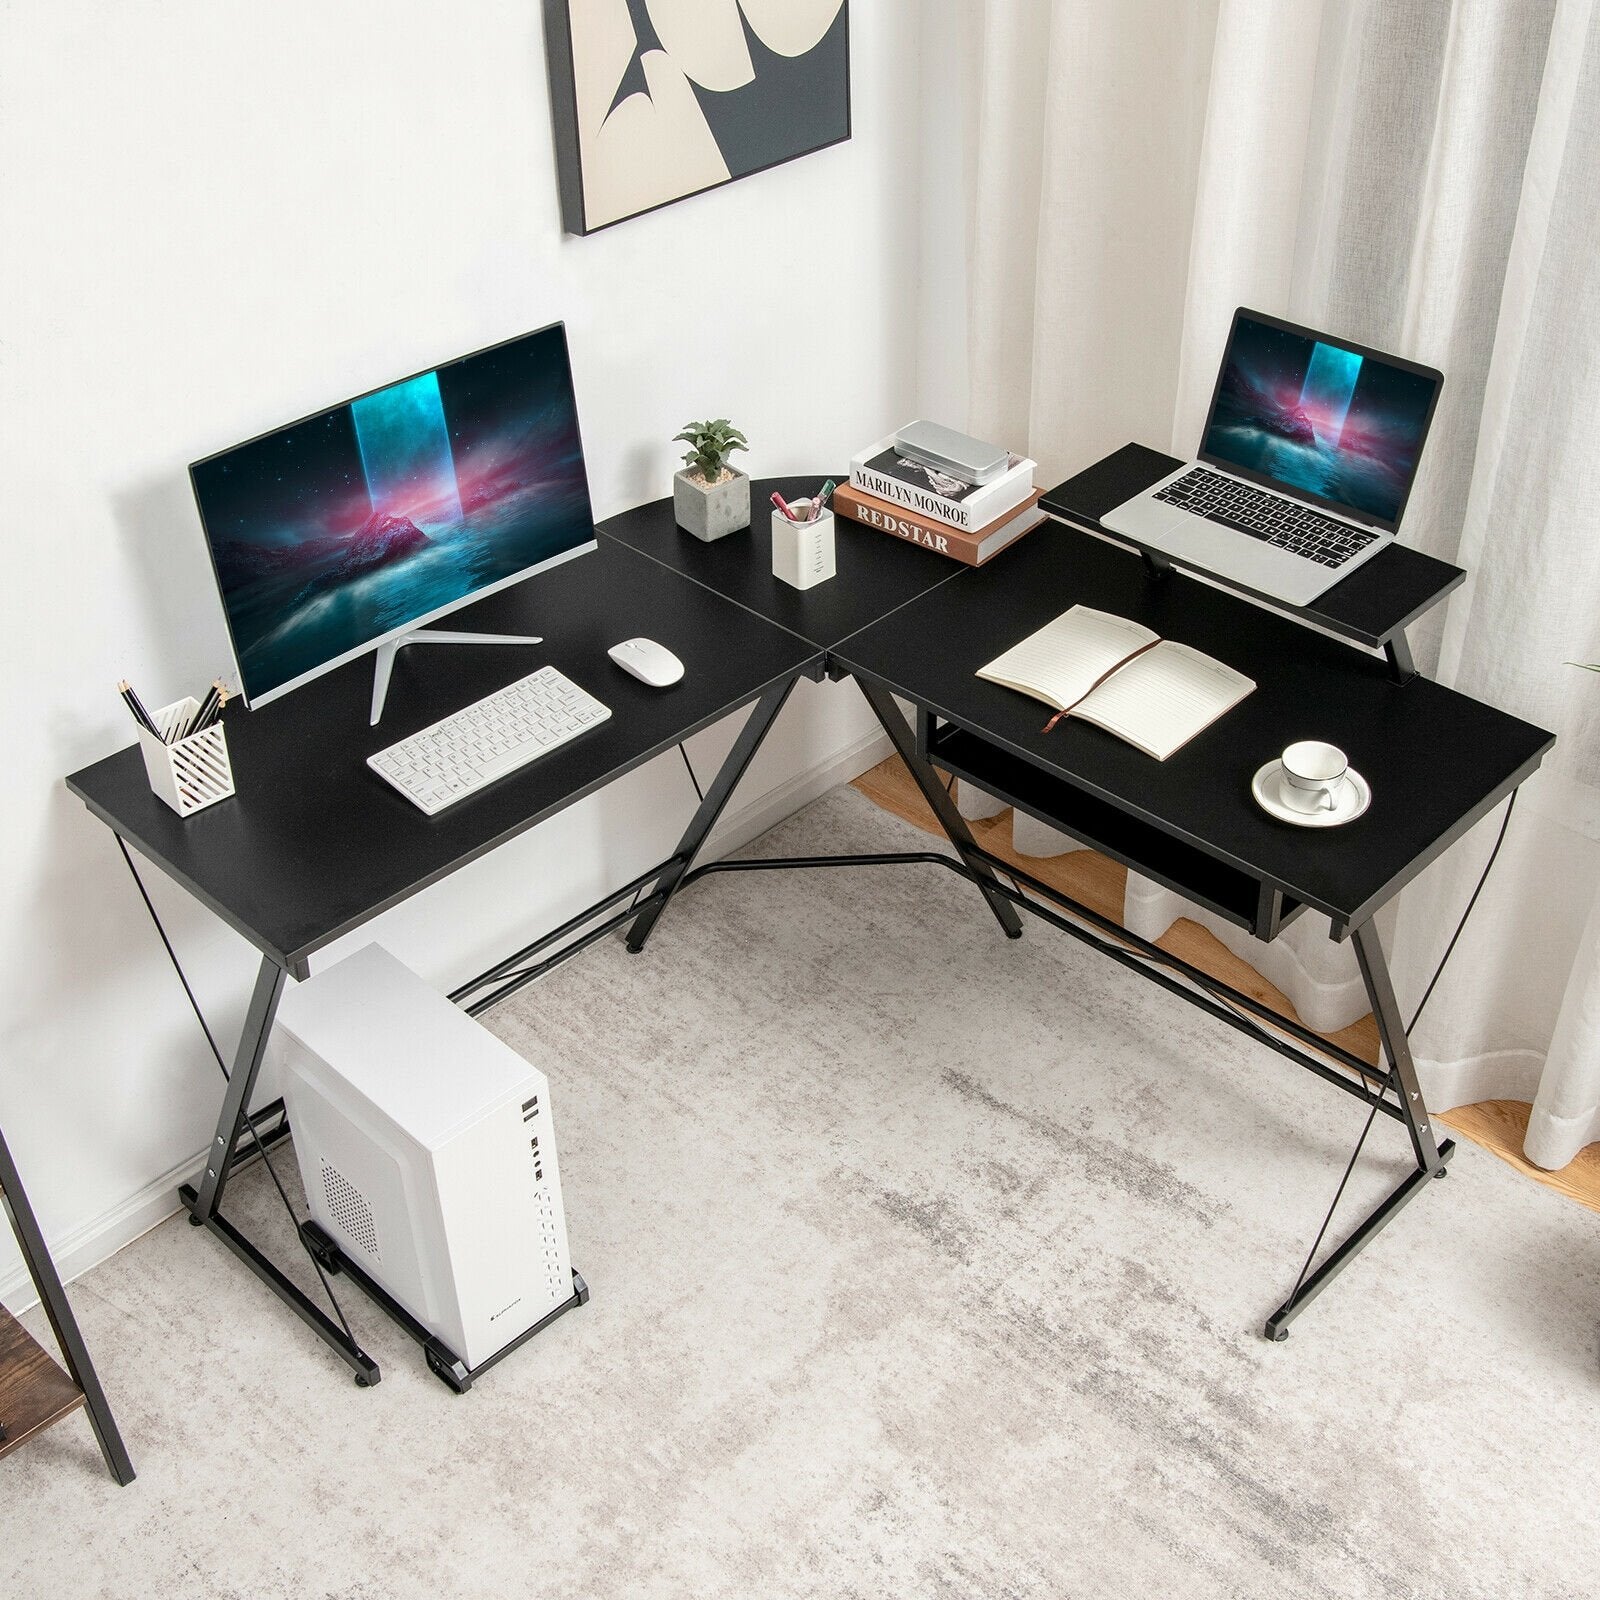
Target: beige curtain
{"type": "Point", "coordinates": [1422, 177]}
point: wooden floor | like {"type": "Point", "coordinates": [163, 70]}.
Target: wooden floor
{"type": "Point", "coordinates": [1095, 881]}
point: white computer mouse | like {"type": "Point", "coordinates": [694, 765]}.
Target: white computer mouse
{"type": "Point", "coordinates": [647, 661]}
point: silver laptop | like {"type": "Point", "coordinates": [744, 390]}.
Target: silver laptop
{"type": "Point", "coordinates": [1308, 456]}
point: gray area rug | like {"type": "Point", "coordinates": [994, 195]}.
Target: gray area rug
{"type": "Point", "coordinates": [924, 1263]}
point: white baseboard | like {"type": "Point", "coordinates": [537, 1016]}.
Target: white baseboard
{"type": "Point", "coordinates": [768, 810]}
{"type": "Point", "coordinates": [101, 1237]}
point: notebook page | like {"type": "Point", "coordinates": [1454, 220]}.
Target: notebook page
{"type": "Point", "coordinates": [1163, 699]}
{"type": "Point", "coordinates": [1060, 662]}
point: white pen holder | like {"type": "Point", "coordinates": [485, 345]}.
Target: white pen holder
{"type": "Point", "coordinates": [193, 773]}
{"type": "Point", "coordinates": [802, 552]}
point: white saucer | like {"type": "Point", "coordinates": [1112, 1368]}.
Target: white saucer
{"type": "Point", "coordinates": [1266, 784]}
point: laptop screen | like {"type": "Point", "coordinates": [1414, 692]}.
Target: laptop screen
{"type": "Point", "coordinates": [1320, 418]}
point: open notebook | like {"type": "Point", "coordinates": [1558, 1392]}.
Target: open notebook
{"type": "Point", "coordinates": [1111, 671]}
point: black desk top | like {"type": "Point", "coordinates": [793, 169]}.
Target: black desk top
{"type": "Point", "coordinates": [1371, 606]}
{"type": "Point", "coordinates": [314, 843]}
{"type": "Point", "coordinates": [875, 573]}
{"type": "Point", "coordinates": [1436, 760]}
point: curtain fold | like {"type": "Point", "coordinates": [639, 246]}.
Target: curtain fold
{"type": "Point", "coordinates": [1418, 178]}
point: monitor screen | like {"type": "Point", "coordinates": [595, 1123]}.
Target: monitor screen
{"type": "Point", "coordinates": [1321, 418]}
{"type": "Point", "coordinates": [349, 527]}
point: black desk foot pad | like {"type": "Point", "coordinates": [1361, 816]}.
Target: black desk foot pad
{"type": "Point", "coordinates": [1277, 1326]}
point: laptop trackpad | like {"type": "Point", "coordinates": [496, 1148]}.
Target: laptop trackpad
{"type": "Point", "coordinates": [1253, 563]}
{"type": "Point", "coordinates": [1213, 546]}
{"type": "Point", "coordinates": [1145, 517]}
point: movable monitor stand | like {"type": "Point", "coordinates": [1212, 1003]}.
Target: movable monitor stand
{"type": "Point", "coordinates": [1373, 606]}
{"type": "Point", "coordinates": [384, 657]}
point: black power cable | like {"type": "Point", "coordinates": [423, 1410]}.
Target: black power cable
{"type": "Point", "coordinates": [700, 793]}
{"type": "Point", "coordinates": [1433, 982]}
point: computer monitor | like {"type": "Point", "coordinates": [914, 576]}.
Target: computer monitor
{"type": "Point", "coordinates": [347, 531]}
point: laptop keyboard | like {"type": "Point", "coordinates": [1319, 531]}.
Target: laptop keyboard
{"type": "Point", "coordinates": [1266, 516]}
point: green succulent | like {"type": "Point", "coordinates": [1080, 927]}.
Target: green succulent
{"type": "Point", "coordinates": [710, 445]}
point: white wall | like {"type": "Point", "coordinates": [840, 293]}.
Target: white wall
{"type": "Point", "coordinates": [220, 216]}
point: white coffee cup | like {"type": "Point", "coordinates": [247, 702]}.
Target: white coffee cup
{"type": "Point", "coordinates": [1313, 775]}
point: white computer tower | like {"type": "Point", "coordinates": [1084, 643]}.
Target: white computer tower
{"type": "Point", "coordinates": [427, 1151]}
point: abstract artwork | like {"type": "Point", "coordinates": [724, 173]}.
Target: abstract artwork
{"type": "Point", "coordinates": [655, 100]}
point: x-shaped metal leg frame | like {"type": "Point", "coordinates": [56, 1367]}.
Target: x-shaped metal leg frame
{"type": "Point", "coordinates": [943, 807]}
{"type": "Point", "coordinates": [738, 760]}
{"type": "Point", "coordinates": [204, 1198]}
{"type": "Point", "coordinates": [1430, 1156]}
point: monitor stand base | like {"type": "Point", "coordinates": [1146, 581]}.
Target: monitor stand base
{"type": "Point", "coordinates": [383, 662]}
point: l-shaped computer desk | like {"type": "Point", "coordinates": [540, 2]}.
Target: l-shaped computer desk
{"type": "Point", "coordinates": [314, 845]}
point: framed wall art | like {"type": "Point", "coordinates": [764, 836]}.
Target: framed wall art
{"type": "Point", "coordinates": [654, 100]}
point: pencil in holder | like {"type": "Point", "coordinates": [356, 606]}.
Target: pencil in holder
{"type": "Point", "coordinates": [802, 546]}
{"type": "Point", "coordinates": [189, 774]}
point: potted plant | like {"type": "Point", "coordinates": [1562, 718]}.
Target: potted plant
{"type": "Point", "coordinates": [710, 497]}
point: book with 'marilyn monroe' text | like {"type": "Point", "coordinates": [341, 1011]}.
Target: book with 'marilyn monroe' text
{"type": "Point", "coordinates": [887, 472]}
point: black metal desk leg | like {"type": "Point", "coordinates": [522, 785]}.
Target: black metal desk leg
{"type": "Point", "coordinates": [1396, 1047]}
{"type": "Point", "coordinates": [704, 820]}
{"type": "Point", "coordinates": [938, 797]}
{"type": "Point", "coordinates": [64, 1324]}
{"type": "Point", "coordinates": [204, 1200]}
{"type": "Point", "coordinates": [270, 980]}
{"type": "Point", "coordinates": [1398, 651]}
{"type": "Point", "coordinates": [1430, 1156]}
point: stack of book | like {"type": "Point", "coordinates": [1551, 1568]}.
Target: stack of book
{"type": "Point", "coordinates": [966, 504]}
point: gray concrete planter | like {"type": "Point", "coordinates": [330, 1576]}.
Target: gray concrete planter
{"type": "Point", "coordinates": [711, 513]}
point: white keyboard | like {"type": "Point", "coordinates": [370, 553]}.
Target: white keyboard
{"type": "Point", "coordinates": [485, 741]}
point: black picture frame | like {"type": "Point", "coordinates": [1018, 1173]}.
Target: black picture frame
{"type": "Point", "coordinates": [793, 106]}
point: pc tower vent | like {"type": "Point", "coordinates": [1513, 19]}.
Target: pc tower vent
{"type": "Point", "coordinates": [348, 1207]}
